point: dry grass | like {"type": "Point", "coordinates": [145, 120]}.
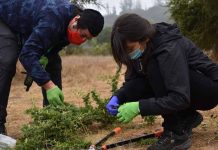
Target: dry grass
{"type": "Point", "coordinates": [85, 73]}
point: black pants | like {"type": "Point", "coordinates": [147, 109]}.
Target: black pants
{"type": "Point", "coordinates": [8, 59]}
{"type": "Point", "coordinates": [9, 52]}
{"type": "Point", "coordinates": [203, 95]}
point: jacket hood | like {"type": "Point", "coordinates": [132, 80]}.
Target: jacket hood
{"type": "Point", "coordinates": [165, 33]}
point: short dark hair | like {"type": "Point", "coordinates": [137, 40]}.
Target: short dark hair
{"type": "Point", "coordinates": [128, 27]}
{"type": "Point", "coordinates": [92, 20]}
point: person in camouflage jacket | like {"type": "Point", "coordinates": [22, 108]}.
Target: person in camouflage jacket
{"type": "Point", "coordinates": [33, 29]}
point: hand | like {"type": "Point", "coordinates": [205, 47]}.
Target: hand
{"type": "Point", "coordinates": [43, 61]}
{"type": "Point", "coordinates": [55, 96]}
{"type": "Point", "coordinates": [112, 106]}
{"type": "Point", "coordinates": [128, 111]}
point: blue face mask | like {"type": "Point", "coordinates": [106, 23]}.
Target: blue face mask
{"type": "Point", "coordinates": [135, 54]}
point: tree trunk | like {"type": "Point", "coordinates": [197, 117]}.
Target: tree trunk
{"type": "Point", "coordinates": [215, 52]}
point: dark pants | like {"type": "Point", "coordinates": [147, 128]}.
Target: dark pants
{"type": "Point", "coordinates": [8, 59]}
{"type": "Point", "coordinates": [9, 52]}
{"type": "Point", "coordinates": [204, 96]}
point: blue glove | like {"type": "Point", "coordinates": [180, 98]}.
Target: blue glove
{"type": "Point", "coordinates": [112, 106]}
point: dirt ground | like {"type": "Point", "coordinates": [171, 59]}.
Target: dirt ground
{"type": "Point", "coordinates": [82, 74]}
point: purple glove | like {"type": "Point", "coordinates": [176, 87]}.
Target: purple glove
{"type": "Point", "coordinates": [112, 106]}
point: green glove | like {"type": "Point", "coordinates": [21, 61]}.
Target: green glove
{"type": "Point", "coordinates": [43, 61]}
{"type": "Point", "coordinates": [55, 96]}
{"type": "Point", "coordinates": [128, 111]}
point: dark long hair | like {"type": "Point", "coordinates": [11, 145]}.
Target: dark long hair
{"type": "Point", "coordinates": [129, 27]}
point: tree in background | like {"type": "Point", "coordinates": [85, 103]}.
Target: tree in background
{"type": "Point", "coordinates": [104, 36]}
{"type": "Point", "coordinates": [107, 8]}
{"type": "Point", "coordinates": [114, 11]}
{"type": "Point", "coordinates": [198, 19]}
{"type": "Point", "coordinates": [138, 5]}
{"type": "Point", "coordinates": [126, 5]}
{"type": "Point", "coordinates": [101, 44]}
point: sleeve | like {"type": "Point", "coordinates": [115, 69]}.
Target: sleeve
{"type": "Point", "coordinates": [125, 89]}
{"type": "Point", "coordinates": [175, 74]}
{"type": "Point", "coordinates": [134, 88]}
{"type": "Point", "coordinates": [130, 91]}
{"type": "Point", "coordinates": [41, 39]}
{"type": "Point", "coordinates": [57, 48]}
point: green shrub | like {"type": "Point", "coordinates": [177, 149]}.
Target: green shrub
{"type": "Point", "coordinates": [150, 119]}
{"type": "Point", "coordinates": [64, 127]}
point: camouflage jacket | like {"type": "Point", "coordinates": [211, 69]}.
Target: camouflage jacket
{"type": "Point", "coordinates": [41, 25]}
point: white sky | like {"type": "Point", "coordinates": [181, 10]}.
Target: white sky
{"type": "Point", "coordinates": [116, 3]}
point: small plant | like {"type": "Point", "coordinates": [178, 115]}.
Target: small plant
{"type": "Point", "coordinates": [147, 141]}
{"type": "Point", "coordinates": [99, 111]}
{"type": "Point", "coordinates": [55, 128]}
{"type": "Point", "coordinates": [150, 119]}
{"type": "Point", "coordinates": [114, 80]}
{"type": "Point", "coordinates": [204, 126]}
{"type": "Point", "coordinates": [64, 127]}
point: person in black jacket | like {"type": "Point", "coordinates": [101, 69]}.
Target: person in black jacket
{"type": "Point", "coordinates": [167, 75]}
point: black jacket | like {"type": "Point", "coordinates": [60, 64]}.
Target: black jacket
{"type": "Point", "coordinates": [166, 81]}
